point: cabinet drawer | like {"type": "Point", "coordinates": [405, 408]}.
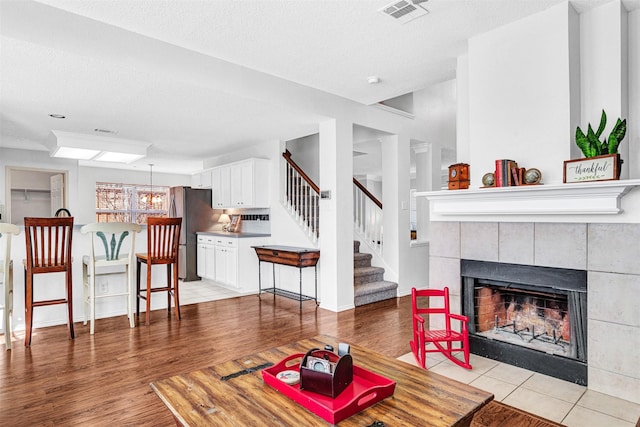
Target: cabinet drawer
{"type": "Point", "coordinates": [207, 240]}
{"type": "Point", "coordinates": [226, 242]}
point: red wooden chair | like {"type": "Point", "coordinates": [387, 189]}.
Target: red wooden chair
{"type": "Point", "coordinates": [442, 339]}
{"type": "Point", "coordinates": [163, 236]}
{"type": "Point", "coordinates": [48, 243]}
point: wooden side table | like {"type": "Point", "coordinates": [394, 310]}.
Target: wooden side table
{"type": "Point", "coordinates": [291, 256]}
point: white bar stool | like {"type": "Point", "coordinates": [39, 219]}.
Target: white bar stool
{"type": "Point", "coordinates": [113, 256]}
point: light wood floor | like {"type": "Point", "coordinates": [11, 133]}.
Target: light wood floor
{"type": "Point", "coordinates": [104, 379]}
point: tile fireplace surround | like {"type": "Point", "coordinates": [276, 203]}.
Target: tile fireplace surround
{"type": "Point", "coordinates": [607, 251]}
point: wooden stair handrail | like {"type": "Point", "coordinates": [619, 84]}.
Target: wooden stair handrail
{"type": "Point", "coordinates": [287, 157]}
{"type": "Point", "coordinates": [367, 193]}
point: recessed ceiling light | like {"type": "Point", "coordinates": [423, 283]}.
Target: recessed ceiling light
{"type": "Point", "coordinates": [373, 80]}
{"type": "Point", "coordinates": [57, 116]}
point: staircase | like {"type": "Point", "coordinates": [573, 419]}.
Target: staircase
{"type": "Point", "coordinates": [368, 281]}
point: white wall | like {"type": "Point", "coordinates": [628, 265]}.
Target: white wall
{"type": "Point", "coordinates": [633, 121]}
{"type": "Point", "coordinates": [603, 36]}
{"type": "Point", "coordinates": [305, 152]}
{"type": "Point", "coordinates": [520, 95]}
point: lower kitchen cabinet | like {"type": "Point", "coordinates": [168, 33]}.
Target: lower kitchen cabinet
{"type": "Point", "coordinates": [229, 261]}
{"type": "Point", "coordinates": [226, 261]}
{"type": "Point", "coordinates": [206, 258]}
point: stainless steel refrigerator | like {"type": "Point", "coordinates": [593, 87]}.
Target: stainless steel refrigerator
{"type": "Point", "coordinates": [193, 205]}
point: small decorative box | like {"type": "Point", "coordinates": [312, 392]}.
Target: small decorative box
{"type": "Point", "coordinates": [324, 372]}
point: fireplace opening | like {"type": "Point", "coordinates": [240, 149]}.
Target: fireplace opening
{"type": "Point", "coordinates": [535, 320]}
{"type": "Point", "coordinates": [529, 316]}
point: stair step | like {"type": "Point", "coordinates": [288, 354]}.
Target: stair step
{"type": "Point", "coordinates": [368, 293]}
{"type": "Point", "coordinates": [362, 259]}
{"type": "Point", "coordinates": [367, 274]}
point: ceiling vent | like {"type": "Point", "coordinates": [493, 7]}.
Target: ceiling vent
{"type": "Point", "coordinates": [404, 10]}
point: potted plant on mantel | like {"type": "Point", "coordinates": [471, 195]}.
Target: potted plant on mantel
{"type": "Point", "coordinates": [602, 160]}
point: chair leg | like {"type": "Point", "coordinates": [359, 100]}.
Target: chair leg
{"type": "Point", "coordinates": [148, 313]}
{"type": "Point", "coordinates": [8, 309]}
{"type": "Point", "coordinates": [138, 267]}
{"type": "Point", "coordinates": [176, 296]}
{"type": "Point", "coordinates": [130, 295]}
{"type": "Point", "coordinates": [28, 307]}
{"type": "Point", "coordinates": [170, 287]}
{"type": "Point", "coordinates": [92, 301]}
{"type": "Point", "coordinates": [85, 291]}
{"type": "Point", "coordinates": [72, 334]}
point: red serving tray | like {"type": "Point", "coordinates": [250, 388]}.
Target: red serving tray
{"type": "Point", "coordinates": [367, 389]}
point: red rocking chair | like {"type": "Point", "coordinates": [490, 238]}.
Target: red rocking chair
{"type": "Point", "coordinates": [442, 339]}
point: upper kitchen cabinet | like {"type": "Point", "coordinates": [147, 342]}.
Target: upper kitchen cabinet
{"type": "Point", "coordinates": [221, 187]}
{"type": "Point", "coordinates": [202, 179]}
{"type": "Point", "coordinates": [242, 184]}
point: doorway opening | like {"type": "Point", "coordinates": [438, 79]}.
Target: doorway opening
{"type": "Point", "coordinates": [34, 192]}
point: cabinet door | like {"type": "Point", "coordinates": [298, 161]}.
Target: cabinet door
{"type": "Point", "coordinates": [231, 268]}
{"type": "Point", "coordinates": [211, 263]}
{"type": "Point", "coordinates": [206, 179]}
{"type": "Point", "coordinates": [221, 264]}
{"type": "Point", "coordinates": [201, 269]}
{"type": "Point", "coordinates": [242, 184]}
{"type": "Point", "coordinates": [220, 184]}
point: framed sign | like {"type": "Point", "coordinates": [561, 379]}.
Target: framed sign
{"type": "Point", "coordinates": [234, 224]}
{"type": "Point", "coordinates": [599, 168]}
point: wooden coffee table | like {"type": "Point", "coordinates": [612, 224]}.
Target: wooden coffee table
{"type": "Point", "coordinates": [234, 394]}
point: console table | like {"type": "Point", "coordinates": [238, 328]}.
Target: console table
{"type": "Point", "coordinates": [291, 256]}
{"type": "Point", "coordinates": [233, 393]}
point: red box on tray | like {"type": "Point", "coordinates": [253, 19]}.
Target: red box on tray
{"type": "Point", "coordinates": [366, 389]}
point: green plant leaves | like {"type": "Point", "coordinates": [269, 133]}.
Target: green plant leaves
{"type": "Point", "coordinates": [603, 123]}
{"type": "Point", "coordinates": [582, 142]}
{"type": "Point", "coordinates": [591, 145]}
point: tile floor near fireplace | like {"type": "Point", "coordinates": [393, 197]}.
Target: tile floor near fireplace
{"type": "Point", "coordinates": [554, 399]}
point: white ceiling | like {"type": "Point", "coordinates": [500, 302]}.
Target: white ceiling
{"type": "Point", "coordinates": [199, 78]}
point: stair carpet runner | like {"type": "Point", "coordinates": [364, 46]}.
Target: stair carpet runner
{"type": "Point", "coordinates": [368, 281]}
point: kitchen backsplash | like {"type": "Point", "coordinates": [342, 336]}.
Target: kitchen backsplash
{"type": "Point", "coordinates": [251, 220]}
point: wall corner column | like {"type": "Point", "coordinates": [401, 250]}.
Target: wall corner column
{"type": "Point", "coordinates": [336, 215]}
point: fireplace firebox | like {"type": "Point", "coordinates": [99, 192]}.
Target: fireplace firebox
{"type": "Point", "coordinates": [528, 316]}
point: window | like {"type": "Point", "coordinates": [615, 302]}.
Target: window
{"type": "Point", "coordinates": [130, 203]}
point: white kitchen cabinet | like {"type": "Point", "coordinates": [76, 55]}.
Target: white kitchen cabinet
{"type": "Point", "coordinates": [206, 267]}
{"type": "Point", "coordinates": [243, 184]}
{"type": "Point", "coordinates": [202, 179]}
{"type": "Point", "coordinates": [221, 187]}
{"type": "Point", "coordinates": [226, 260]}
{"type": "Point", "coordinates": [229, 261]}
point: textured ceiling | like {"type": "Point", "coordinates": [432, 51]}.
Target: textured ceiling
{"type": "Point", "coordinates": [197, 78]}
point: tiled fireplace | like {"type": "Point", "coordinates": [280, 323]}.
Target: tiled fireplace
{"type": "Point", "coordinates": [607, 254]}
{"type": "Point", "coordinates": [528, 316]}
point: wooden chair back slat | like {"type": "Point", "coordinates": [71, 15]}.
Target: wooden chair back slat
{"type": "Point", "coordinates": [163, 238]}
{"type": "Point", "coordinates": [48, 243]}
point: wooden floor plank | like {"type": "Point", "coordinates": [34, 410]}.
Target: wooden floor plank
{"type": "Point", "coordinates": [104, 379]}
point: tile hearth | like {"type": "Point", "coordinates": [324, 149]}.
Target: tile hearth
{"type": "Point", "coordinates": [554, 399]}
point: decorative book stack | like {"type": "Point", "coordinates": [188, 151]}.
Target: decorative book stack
{"type": "Point", "coordinates": [508, 173]}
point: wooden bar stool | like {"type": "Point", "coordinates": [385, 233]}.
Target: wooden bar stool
{"type": "Point", "coordinates": [6, 272]}
{"type": "Point", "coordinates": [163, 236]}
{"type": "Point", "coordinates": [114, 257]}
{"type": "Point", "coordinates": [48, 251]}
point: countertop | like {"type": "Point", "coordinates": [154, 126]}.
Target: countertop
{"type": "Point", "coordinates": [228, 234]}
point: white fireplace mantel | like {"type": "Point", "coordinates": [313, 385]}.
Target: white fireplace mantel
{"type": "Point", "coordinates": [576, 202]}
